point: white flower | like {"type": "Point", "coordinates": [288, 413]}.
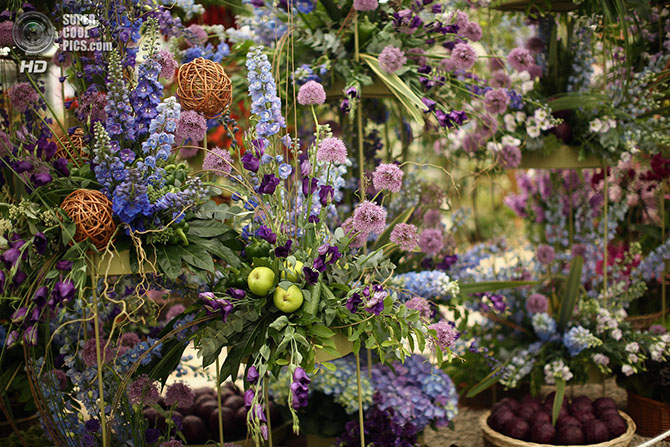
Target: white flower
{"type": "Point", "coordinates": [627, 370]}
{"type": "Point", "coordinates": [524, 76]}
{"type": "Point", "coordinates": [611, 123]}
{"type": "Point", "coordinates": [595, 125]}
{"type": "Point", "coordinates": [510, 122]}
{"type": "Point", "coordinates": [520, 117]}
{"type": "Point", "coordinates": [665, 338]}
{"type": "Point", "coordinates": [632, 347]}
{"type": "Point", "coordinates": [633, 358]}
{"type": "Point", "coordinates": [616, 334]}
{"type": "Point", "coordinates": [527, 86]}
{"type": "Point", "coordinates": [546, 125]}
{"type": "Point", "coordinates": [494, 147]}
{"type": "Point", "coordinates": [605, 127]}
{"type": "Point", "coordinates": [540, 115]}
{"type": "Point", "coordinates": [509, 140]}
{"type": "Point", "coordinates": [533, 131]}
{"type": "Point", "coordinates": [601, 359]}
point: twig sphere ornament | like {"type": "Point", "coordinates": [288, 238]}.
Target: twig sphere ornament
{"type": "Point", "coordinates": [91, 212]}
{"type": "Point", "coordinates": [204, 86]}
{"type": "Point", "coordinates": [72, 147]}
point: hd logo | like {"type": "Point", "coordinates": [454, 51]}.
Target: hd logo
{"type": "Point", "coordinates": [33, 66]}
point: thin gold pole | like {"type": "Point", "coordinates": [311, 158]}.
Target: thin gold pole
{"type": "Point", "coordinates": [267, 410]}
{"type": "Point", "coordinates": [98, 357]}
{"type": "Point", "coordinates": [665, 263]}
{"type": "Point", "coordinates": [218, 398]}
{"type": "Point", "coordinates": [359, 113]}
{"type": "Point", "coordinates": [361, 422]}
{"type": "Point", "coordinates": [606, 234]}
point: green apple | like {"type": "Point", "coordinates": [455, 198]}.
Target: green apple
{"type": "Point", "coordinates": [293, 271]}
{"type": "Point", "coordinates": [261, 280]}
{"type": "Point", "coordinates": [288, 300]}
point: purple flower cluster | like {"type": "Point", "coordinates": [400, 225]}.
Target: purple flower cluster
{"type": "Point", "coordinates": [328, 255]}
{"type": "Point", "coordinates": [300, 388]}
{"type": "Point", "coordinates": [214, 305]}
{"type": "Point", "coordinates": [374, 299]}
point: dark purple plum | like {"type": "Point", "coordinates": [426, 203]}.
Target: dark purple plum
{"type": "Point", "coordinates": [616, 425]}
{"type": "Point", "coordinates": [528, 398]}
{"type": "Point", "coordinates": [517, 428]}
{"type": "Point", "coordinates": [194, 430]}
{"type": "Point", "coordinates": [232, 426]}
{"type": "Point", "coordinates": [508, 402]}
{"type": "Point", "coordinates": [498, 419]}
{"type": "Point", "coordinates": [540, 418]}
{"type": "Point", "coordinates": [595, 432]}
{"type": "Point", "coordinates": [570, 435]}
{"type": "Point", "coordinates": [156, 420]}
{"type": "Point", "coordinates": [527, 411]}
{"type": "Point", "coordinates": [205, 409]}
{"type": "Point", "coordinates": [568, 420]}
{"type": "Point", "coordinates": [581, 404]}
{"type": "Point", "coordinates": [542, 433]}
{"type": "Point", "coordinates": [585, 416]}
{"type": "Point", "coordinates": [599, 405]}
{"type": "Point", "coordinates": [204, 390]}
{"type": "Point", "coordinates": [234, 402]}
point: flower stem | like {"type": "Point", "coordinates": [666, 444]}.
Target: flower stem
{"type": "Point", "coordinates": [98, 357]}
{"type": "Point", "coordinates": [218, 399]}
{"type": "Point", "coordinates": [360, 398]}
{"type": "Point", "coordinates": [267, 411]}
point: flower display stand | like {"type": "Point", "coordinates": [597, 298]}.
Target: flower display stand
{"type": "Point", "coordinates": [118, 263]}
{"type": "Point", "coordinates": [279, 434]}
{"type": "Point", "coordinates": [343, 346]}
{"type": "Point", "coordinates": [651, 416]}
{"type": "Point", "coordinates": [564, 157]}
{"type": "Point", "coordinates": [494, 439]}
{"type": "Point", "coordinates": [534, 5]}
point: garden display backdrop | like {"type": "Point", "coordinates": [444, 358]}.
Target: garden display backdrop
{"type": "Point", "coordinates": [356, 215]}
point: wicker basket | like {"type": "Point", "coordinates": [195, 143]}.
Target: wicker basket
{"type": "Point", "coordinates": [643, 322]}
{"type": "Point", "coordinates": [494, 439]}
{"type": "Point", "coordinates": [651, 416]}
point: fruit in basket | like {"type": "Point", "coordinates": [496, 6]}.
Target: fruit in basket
{"type": "Point", "coordinates": [596, 432]}
{"type": "Point", "coordinates": [580, 421]}
{"type": "Point", "coordinates": [234, 402]}
{"type": "Point", "coordinates": [194, 430]}
{"type": "Point", "coordinates": [570, 435]}
{"type": "Point", "coordinates": [542, 433]}
{"type": "Point", "coordinates": [288, 300]}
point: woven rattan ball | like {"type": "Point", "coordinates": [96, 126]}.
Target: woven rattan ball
{"type": "Point", "coordinates": [204, 86]}
{"type": "Point", "coordinates": [72, 146]}
{"type": "Point", "coordinates": [91, 211]}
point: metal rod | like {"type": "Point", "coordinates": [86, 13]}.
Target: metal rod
{"type": "Point", "coordinates": [361, 422]}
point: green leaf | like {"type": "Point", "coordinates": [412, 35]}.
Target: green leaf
{"type": "Point", "coordinates": [558, 400]}
{"type": "Point", "coordinates": [402, 92]}
{"type": "Point", "coordinates": [321, 331]}
{"type": "Point", "coordinates": [216, 247]}
{"type": "Point", "coordinates": [279, 323]}
{"type": "Point", "coordinates": [208, 228]}
{"type": "Point", "coordinates": [491, 286]}
{"type": "Point", "coordinates": [485, 384]}
{"type": "Point", "coordinates": [198, 257]}
{"type": "Point", "coordinates": [169, 260]}
{"type": "Point", "coordinates": [312, 305]}
{"type": "Point", "coordinates": [329, 366]}
{"type": "Point", "coordinates": [67, 232]}
{"type": "Point", "coordinates": [571, 292]}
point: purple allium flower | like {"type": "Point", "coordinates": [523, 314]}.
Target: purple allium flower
{"type": "Point", "coordinates": [387, 176]}
{"type": "Point", "coordinates": [578, 250]}
{"type": "Point", "coordinates": [432, 218]}
{"type": "Point", "coordinates": [22, 96]}
{"type": "Point", "coordinates": [487, 125]}
{"type": "Point", "coordinates": [520, 59]}
{"type": "Point", "coordinates": [167, 63]}
{"type": "Point", "coordinates": [92, 106]}
{"type": "Point", "coordinates": [198, 32]}
{"type": "Point", "coordinates": [179, 393]}
{"type": "Point", "coordinates": [365, 5]}
{"type": "Point", "coordinates": [89, 355]}
{"type": "Point", "coordinates": [143, 391]}
{"type": "Point", "coordinates": [446, 334]}
{"type": "Point", "coordinates": [499, 79]}
{"type": "Point", "coordinates": [130, 339]}
{"type": "Point", "coordinates": [311, 93]}
{"type": "Point", "coordinates": [264, 232]}
{"type": "Point", "coordinates": [218, 161]}
{"type": "Point", "coordinates": [510, 157]}
{"type": "Point", "coordinates": [471, 142]}
{"type": "Point", "coordinates": [495, 101]}
{"type": "Point", "coordinates": [392, 59]}
{"type": "Point", "coordinates": [359, 237]}
{"type": "Point", "coordinates": [463, 56]}
{"type": "Point", "coordinates": [174, 311]}
{"type": "Point", "coordinates": [369, 218]}
{"type": "Point", "coordinates": [430, 241]}
{"type": "Point", "coordinates": [332, 150]}
{"type": "Point", "coordinates": [420, 304]}
{"type": "Point", "coordinates": [447, 65]}
{"type": "Point", "coordinates": [405, 236]}
{"type": "Point", "coordinates": [191, 126]}
{"type": "Point", "coordinates": [6, 37]}
{"type": "Point", "coordinates": [535, 71]}
{"type": "Point", "coordinates": [471, 31]}
{"type": "Point", "coordinates": [537, 303]}
{"type": "Point", "coordinates": [535, 45]}
{"type": "Point", "coordinates": [268, 184]}
{"type": "Point", "coordinates": [545, 254]}
{"type": "Point", "coordinates": [250, 162]}
{"type": "Point", "coordinates": [657, 329]}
